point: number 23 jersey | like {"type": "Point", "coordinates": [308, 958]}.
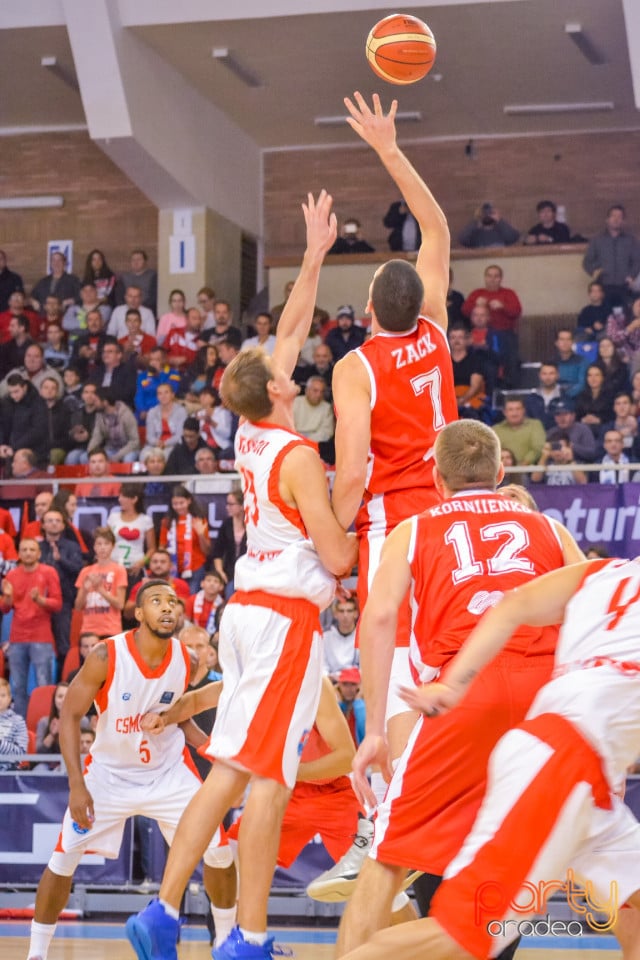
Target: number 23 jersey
{"type": "Point", "coordinates": [464, 554]}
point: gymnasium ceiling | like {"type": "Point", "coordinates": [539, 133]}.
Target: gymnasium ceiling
{"type": "Point", "coordinates": [491, 53]}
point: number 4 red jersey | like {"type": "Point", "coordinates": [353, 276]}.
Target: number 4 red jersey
{"type": "Point", "coordinates": [464, 554]}
{"type": "Point", "coordinates": [412, 399]}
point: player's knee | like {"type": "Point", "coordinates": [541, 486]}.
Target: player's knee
{"type": "Point", "coordinates": [64, 864]}
{"type": "Point", "coordinates": [218, 857]}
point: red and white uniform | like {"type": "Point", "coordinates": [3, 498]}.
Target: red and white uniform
{"type": "Point", "coordinates": [463, 554]}
{"type": "Point", "coordinates": [328, 807]}
{"type": "Point", "coordinates": [551, 803]}
{"type": "Point", "coordinates": [270, 637]}
{"type": "Point", "coordinates": [129, 772]}
{"type": "Point", "coordinates": [412, 398]}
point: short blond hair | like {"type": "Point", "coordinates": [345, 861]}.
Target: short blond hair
{"type": "Point", "coordinates": [467, 454]}
{"type": "Point", "coordinates": [244, 385]}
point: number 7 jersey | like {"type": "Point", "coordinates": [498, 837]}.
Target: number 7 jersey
{"type": "Point", "coordinates": [412, 399]}
{"type": "Point", "coordinates": [464, 554]}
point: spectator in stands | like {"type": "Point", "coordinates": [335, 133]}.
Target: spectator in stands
{"type": "Point", "coordinates": [132, 301]}
{"type": "Point", "coordinates": [10, 282]}
{"type": "Point", "coordinates": [32, 591]}
{"type": "Point", "coordinates": [454, 303]}
{"type": "Point", "coordinates": [57, 352]}
{"type": "Point", "coordinates": [488, 229]}
{"type": "Point", "coordinates": [63, 553]}
{"type": "Point", "coordinates": [64, 285]}
{"type": "Point", "coordinates": [582, 440]}
{"type": "Point", "coordinates": [207, 462]}
{"type": "Point", "coordinates": [32, 529]}
{"type": "Point", "coordinates": [616, 371]}
{"type": "Point", "coordinates": [558, 452]}
{"type": "Point", "coordinates": [405, 232]}
{"type": "Point", "coordinates": [313, 418]}
{"type": "Point", "coordinates": [66, 501]}
{"type": "Point", "coordinates": [14, 349]}
{"type": "Point", "coordinates": [185, 534]}
{"type": "Point", "coordinates": [14, 737]}
{"type": "Point", "coordinates": [594, 404]}
{"type": "Point", "coordinates": [322, 366]}
{"type": "Point", "coordinates": [204, 607]}
{"type": "Point", "coordinates": [48, 727]}
{"type": "Point", "coordinates": [82, 424]}
{"type": "Point", "coordinates": [228, 348]}
{"type": "Point", "coordinates": [34, 369]}
{"type": "Point", "coordinates": [548, 229]}
{"type": "Point", "coordinates": [113, 374]}
{"type": "Point", "coordinates": [53, 312]}
{"type": "Point", "coordinates": [468, 373]}
{"type": "Point", "coordinates": [133, 530]}
{"type": "Point", "coordinates": [164, 421]}
{"type": "Point", "coordinates": [504, 311]}
{"type": "Point", "coordinates": [216, 424]}
{"type": "Point", "coordinates": [182, 459]}
{"type": "Point", "coordinates": [159, 569]}
{"type": "Point", "coordinates": [115, 429]}
{"type": "Point", "coordinates": [223, 316]}
{"type": "Point", "coordinates": [98, 272]}
{"type": "Point", "coordinates": [101, 588]}
{"type": "Point", "coordinates": [147, 385]}
{"type": "Point", "coordinates": [346, 336]}
{"type": "Point", "coordinates": [206, 300]}
{"type": "Point", "coordinates": [137, 344]}
{"type": "Point", "coordinates": [614, 456]}
{"type": "Point", "coordinates": [182, 343]}
{"type": "Point", "coordinates": [87, 739]}
{"type": "Point", "coordinates": [613, 257]}
{"type": "Point", "coordinates": [352, 706]}
{"type": "Point", "coordinates": [17, 308]}
{"type": "Point", "coordinates": [571, 366]}
{"type": "Point", "coordinates": [339, 641]}
{"type": "Point", "coordinates": [95, 486]}
{"type": "Point", "coordinates": [264, 337]}
{"type": "Point", "coordinates": [175, 317]}
{"type": "Point", "coordinates": [75, 317]}
{"type": "Point", "coordinates": [523, 435]}
{"type": "Point", "coordinates": [155, 463]}
{"type": "Point", "coordinates": [72, 388]}
{"type": "Point", "coordinates": [25, 467]}
{"type": "Point", "coordinates": [350, 239]}
{"type": "Point", "coordinates": [592, 319]}
{"type": "Point", "coordinates": [231, 542]}
{"type": "Point", "coordinates": [58, 420]}
{"type": "Point", "coordinates": [204, 370]}
{"type": "Point", "coordinates": [23, 421]}
{"type": "Point", "coordinates": [626, 333]}
{"type": "Point", "coordinates": [538, 404]}
{"type": "Point", "coordinates": [624, 422]}
{"type": "Point", "coordinates": [86, 642]}
{"type": "Point", "coordinates": [320, 316]}
{"type": "Point", "coordinates": [141, 276]}
{"type": "Point", "coordinates": [86, 352]}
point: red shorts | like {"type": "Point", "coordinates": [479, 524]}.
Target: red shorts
{"type": "Point", "coordinates": [377, 517]}
{"type": "Point", "coordinates": [328, 809]}
{"type": "Point", "coordinates": [547, 808]}
{"type": "Point", "coordinates": [271, 655]}
{"type": "Point", "coordinates": [440, 779]}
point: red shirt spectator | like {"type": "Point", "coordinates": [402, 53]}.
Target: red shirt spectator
{"type": "Point", "coordinates": [31, 613]}
{"type": "Point", "coordinates": [503, 303]}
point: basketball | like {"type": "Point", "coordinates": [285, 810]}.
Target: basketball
{"type": "Point", "coordinates": [401, 49]}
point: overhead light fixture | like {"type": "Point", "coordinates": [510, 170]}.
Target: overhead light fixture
{"type": "Point", "coordinates": [591, 106]}
{"type": "Point", "coordinates": [30, 203]}
{"type": "Point", "coordinates": [584, 44]}
{"type": "Point", "coordinates": [403, 116]}
{"type": "Point", "coordinates": [229, 60]}
{"type": "Point", "coordinates": [51, 64]}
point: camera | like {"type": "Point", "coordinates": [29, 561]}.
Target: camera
{"type": "Point", "coordinates": [556, 445]}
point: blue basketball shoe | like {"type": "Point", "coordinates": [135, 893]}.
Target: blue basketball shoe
{"type": "Point", "coordinates": [153, 934]}
{"type": "Point", "coordinates": [235, 947]}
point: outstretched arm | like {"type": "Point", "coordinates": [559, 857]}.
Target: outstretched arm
{"type": "Point", "coordinates": [379, 130]}
{"type": "Point", "coordinates": [295, 322]}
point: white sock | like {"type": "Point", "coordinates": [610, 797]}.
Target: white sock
{"type": "Point", "coordinates": [378, 786]}
{"type": "Point", "coordinates": [399, 901]}
{"type": "Point", "coordinates": [251, 937]}
{"type": "Point", "coordinates": [41, 937]}
{"type": "Point", "coordinates": [171, 911]}
{"type": "Point", "coordinates": [224, 920]}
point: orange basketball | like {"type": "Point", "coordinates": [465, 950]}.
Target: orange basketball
{"type": "Point", "coordinates": [401, 49]}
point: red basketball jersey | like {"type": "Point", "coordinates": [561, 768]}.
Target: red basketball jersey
{"type": "Point", "coordinates": [412, 399]}
{"type": "Point", "coordinates": [464, 554]}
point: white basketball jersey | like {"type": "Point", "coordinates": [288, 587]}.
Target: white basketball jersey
{"type": "Point", "coordinates": [597, 681]}
{"type": "Point", "coordinates": [280, 557]}
{"type": "Point", "coordinates": [132, 689]}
